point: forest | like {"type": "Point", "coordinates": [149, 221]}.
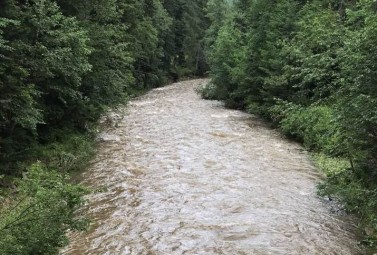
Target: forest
{"type": "Point", "coordinates": [62, 65]}
{"type": "Point", "coordinates": [309, 67]}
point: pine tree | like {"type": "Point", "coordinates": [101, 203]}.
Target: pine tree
{"type": "Point", "coordinates": [47, 57]}
{"type": "Point", "coordinates": [189, 25]}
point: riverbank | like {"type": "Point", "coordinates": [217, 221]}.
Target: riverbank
{"type": "Point", "coordinates": [316, 129]}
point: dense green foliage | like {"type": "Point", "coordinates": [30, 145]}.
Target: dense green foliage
{"type": "Point", "coordinates": [63, 63]}
{"type": "Point", "coordinates": [36, 220]}
{"type": "Point", "coordinates": [311, 67]}
{"type": "Point", "coordinates": [184, 54]}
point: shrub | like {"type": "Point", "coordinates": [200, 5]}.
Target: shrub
{"type": "Point", "coordinates": [68, 152]}
{"type": "Point", "coordinates": [36, 220]}
{"type": "Point", "coordinates": [315, 126]}
{"type": "Point", "coordinates": [208, 91]}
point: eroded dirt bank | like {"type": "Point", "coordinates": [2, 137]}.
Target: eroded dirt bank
{"type": "Point", "coordinates": [186, 176]}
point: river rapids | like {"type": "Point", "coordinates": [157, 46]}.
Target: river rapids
{"type": "Point", "coordinates": [182, 175]}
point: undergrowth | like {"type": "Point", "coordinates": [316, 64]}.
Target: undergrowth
{"type": "Point", "coordinates": [38, 207]}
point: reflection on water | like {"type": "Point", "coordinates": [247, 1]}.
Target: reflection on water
{"type": "Point", "coordinates": [186, 176]}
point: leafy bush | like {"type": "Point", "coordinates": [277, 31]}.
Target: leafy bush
{"type": "Point", "coordinates": [68, 152]}
{"type": "Point", "coordinates": [36, 219]}
{"type": "Point", "coordinates": [331, 165]}
{"type": "Point", "coordinates": [358, 198]}
{"type": "Point", "coordinates": [315, 126]}
{"type": "Point", "coordinates": [208, 91]}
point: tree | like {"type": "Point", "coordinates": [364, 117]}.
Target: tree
{"type": "Point", "coordinates": [358, 93]}
{"type": "Point", "coordinates": [48, 59]}
{"type": "Point", "coordinates": [110, 78]}
{"type": "Point", "coordinates": [313, 51]}
{"type": "Point", "coordinates": [147, 23]}
{"type": "Point", "coordinates": [187, 57]}
{"type": "Point", "coordinates": [19, 113]}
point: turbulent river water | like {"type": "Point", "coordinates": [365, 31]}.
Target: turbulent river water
{"type": "Point", "coordinates": [181, 175]}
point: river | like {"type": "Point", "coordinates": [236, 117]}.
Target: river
{"type": "Point", "coordinates": [182, 175]}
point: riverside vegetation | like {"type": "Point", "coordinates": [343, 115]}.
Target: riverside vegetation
{"type": "Point", "coordinates": [308, 66]}
{"type": "Point", "coordinates": [63, 63]}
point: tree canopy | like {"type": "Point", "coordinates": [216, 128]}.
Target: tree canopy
{"type": "Point", "coordinates": [310, 67]}
{"type": "Point", "coordinates": [63, 63]}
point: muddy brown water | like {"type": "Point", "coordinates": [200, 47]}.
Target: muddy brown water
{"type": "Point", "coordinates": [181, 175]}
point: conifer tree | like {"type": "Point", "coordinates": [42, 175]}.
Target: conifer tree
{"type": "Point", "coordinates": [47, 57]}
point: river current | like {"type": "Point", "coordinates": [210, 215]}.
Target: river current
{"type": "Point", "coordinates": [182, 175]}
